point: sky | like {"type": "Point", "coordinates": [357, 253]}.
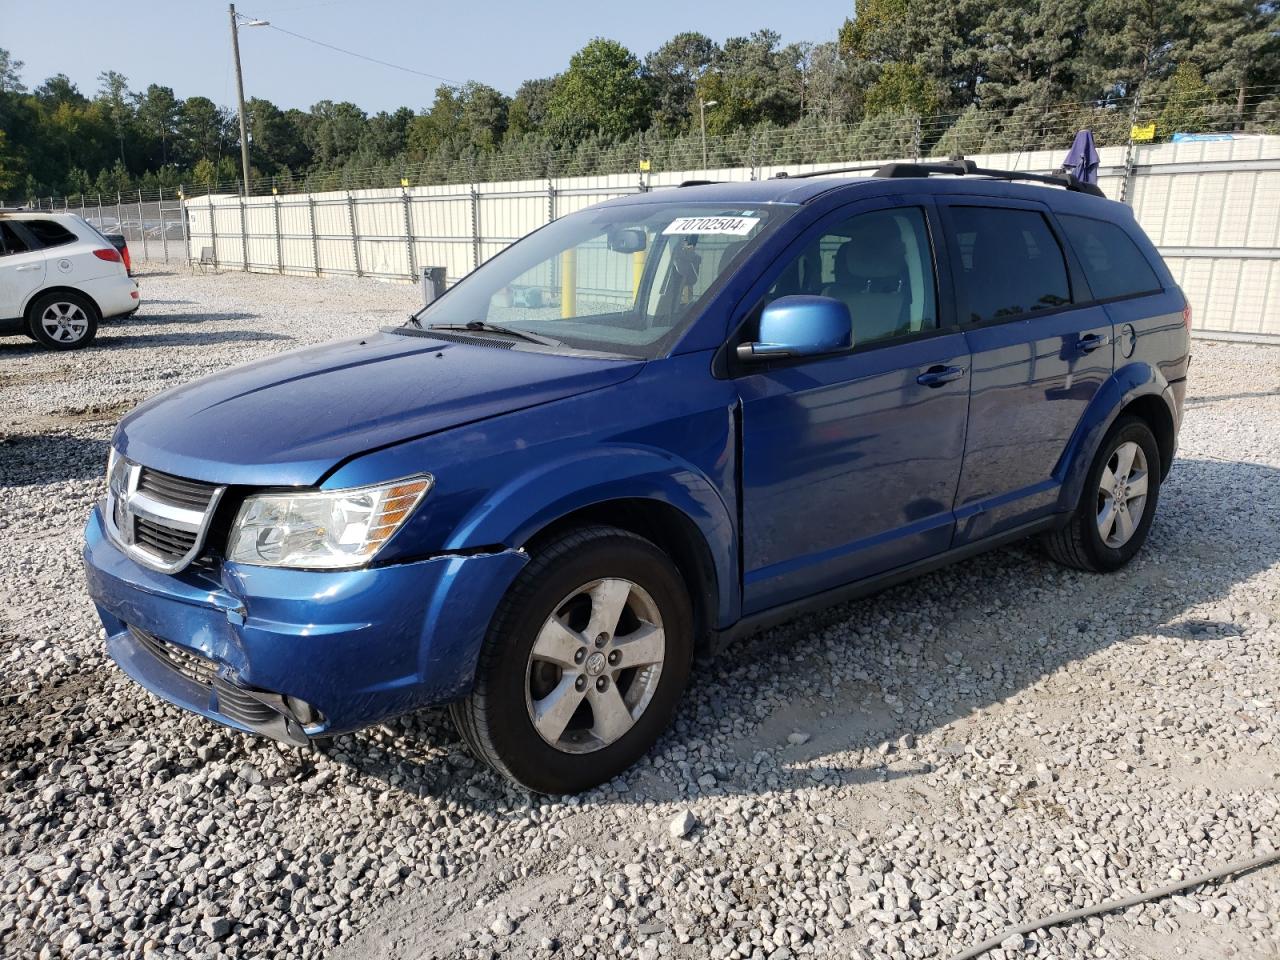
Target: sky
{"type": "Point", "coordinates": [186, 44]}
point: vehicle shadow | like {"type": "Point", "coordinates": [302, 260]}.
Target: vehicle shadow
{"type": "Point", "coordinates": [926, 654]}
{"type": "Point", "coordinates": [122, 337]}
{"type": "Point", "coordinates": [33, 459]}
{"type": "Point", "coordinates": [160, 319]}
{"type": "Point", "coordinates": [134, 340]}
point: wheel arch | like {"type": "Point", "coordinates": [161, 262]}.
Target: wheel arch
{"type": "Point", "coordinates": [668, 528]}
{"type": "Point", "coordinates": [1137, 389]}
{"type": "Point", "coordinates": [62, 289]}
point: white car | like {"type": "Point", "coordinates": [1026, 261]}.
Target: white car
{"type": "Point", "coordinates": [58, 278]}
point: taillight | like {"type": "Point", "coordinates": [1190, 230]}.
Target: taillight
{"type": "Point", "coordinates": [110, 254]}
{"type": "Point", "coordinates": [1186, 317]}
{"type": "Point", "coordinates": [128, 264]}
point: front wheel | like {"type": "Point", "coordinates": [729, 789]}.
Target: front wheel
{"type": "Point", "coordinates": [583, 665]}
{"type": "Point", "coordinates": [1118, 504]}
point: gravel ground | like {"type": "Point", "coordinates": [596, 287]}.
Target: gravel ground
{"type": "Point", "coordinates": [904, 776]}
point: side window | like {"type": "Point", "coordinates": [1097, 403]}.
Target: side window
{"type": "Point", "coordinates": [49, 234]}
{"type": "Point", "coordinates": [880, 264]}
{"type": "Point", "coordinates": [1113, 264]}
{"type": "Point", "coordinates": [10, 242]}
{"type": "Point", "coordinates": [1010, 262]}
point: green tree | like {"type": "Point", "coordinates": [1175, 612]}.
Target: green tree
{"type": "Point", "coordinates": [751, 84]}
{"type": "Point", "coordinates": [113, 93]}
{"type": "Point", "coordinates": [484, 115]}
{"type": "Point", "coordinates": [1237, 46]}
{"type": "Point", "coordinates": [59, 89]}
{"type": "Point", "coordinates": [1033, 48]}
{"type": "Point", "coordinates": [203, 130]}
{"type": "Point", "coordinates": [336, 131]}
{"type": "Point", "coordinates": [1133, 42]}
{"type": "Point", "coordinates": [10, 73]}
{"type": "Point", "coordinates": [8, 171]}
{"type": "Point", "coordinates": [529, 108]}
{"type": "Point", "coordinates": [601, 93]}
{"type": "Point", "coordinates": [674, 70]}
{"type": "Point", "coordinates": [277, 138]}
{"type": "Point", "coordinates": [158, 113]}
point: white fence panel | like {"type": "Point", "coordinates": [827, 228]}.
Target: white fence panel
{"type": "Point", "coordinates": [1213, 209]}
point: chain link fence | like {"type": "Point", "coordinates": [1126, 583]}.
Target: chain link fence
{"type": "Point", "coordinates": [155, 229]}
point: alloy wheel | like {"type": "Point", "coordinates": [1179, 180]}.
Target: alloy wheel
{"type": "Point", "coordinates": [64, 322]}
{"type": "Point", "coordinates": [1122, 494]}
{"type": "Point", "coordinates": [594, 666]}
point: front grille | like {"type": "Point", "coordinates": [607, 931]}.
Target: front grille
{"type": "Point", "coordinates": [194, 667]}
{"type": "Point", "coordinates": [165, 542]}
{"type": "Point", "coordinates": [159, 519]}
{"type": "Point", "coordinates": [175, 490]}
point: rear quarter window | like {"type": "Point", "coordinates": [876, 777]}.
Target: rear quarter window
{"type": "Point", "coordinates": [1010, 262]}
{"type": "Point", "coordinates": [1112, 262]}
{"type": "Point", "coordinates": [49, 234]}
{"type": "Point", "coordinates": [10, 242]}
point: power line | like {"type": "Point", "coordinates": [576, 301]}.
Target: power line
{"type": "Point", "coordinates": [361, 56]}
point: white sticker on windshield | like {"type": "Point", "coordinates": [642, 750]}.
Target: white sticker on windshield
{"type": "Point", "coordinates": [732, 226]}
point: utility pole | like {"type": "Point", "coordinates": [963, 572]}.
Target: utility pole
{"type": "Point", "coordinates": [244, 129]}
{"type": "Point", "coordinates": [702, 123]}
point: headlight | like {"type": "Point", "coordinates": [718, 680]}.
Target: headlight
{"type": "Point", "coordinates": [323, 529]}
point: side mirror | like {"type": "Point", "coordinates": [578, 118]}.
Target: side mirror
{"type": "Point", "coordinates": [628, 240]}
{"type": "Point", "coordinates": [801, 326]}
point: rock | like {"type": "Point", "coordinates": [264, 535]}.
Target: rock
{"type": "Point", "coordinates": [215, 928]}
{"type": "Point", "coordinates": [683, 823]}
{"type": "Point", "coordinates": [502, 926]}
{"type": "Point", "coordinates": [797, 739]}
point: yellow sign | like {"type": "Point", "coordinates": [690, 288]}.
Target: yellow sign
{"type": "Point", "coordinates": [1142, 132]}
{"type": "Point", "coordinates": [274, 190]}
{"type": "Point", "coordinates": [404, 181]}
{"type": "Point", "coordinates": [644, 166]}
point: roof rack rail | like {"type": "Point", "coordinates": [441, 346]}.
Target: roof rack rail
{"type": "Point", "coordinates": [697, 183]}
{"type": "Point", "coordinates": [958, 167]}
{"type": "Point", "coordinates": [783, 175]}
{"type": "Point", "coordinates": [961, 167]}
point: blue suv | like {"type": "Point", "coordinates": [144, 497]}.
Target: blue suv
{"type": "Point", "coordinates": [643, 430]}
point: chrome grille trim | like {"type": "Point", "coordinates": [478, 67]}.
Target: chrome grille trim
{"type": "Point", "coordinates": [174, 490]}
{"type": "Point", "coordinates": [157, 519]}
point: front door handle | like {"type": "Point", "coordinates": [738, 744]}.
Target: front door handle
{"type": "Point", "coordinates": [1090, 343]}
{"type": "Point", "coordinates": [936, 376]}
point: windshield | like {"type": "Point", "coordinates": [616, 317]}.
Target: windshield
{"type": "Point", "coordinates": [623, 279]}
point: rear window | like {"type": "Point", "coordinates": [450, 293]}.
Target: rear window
{"type": "Point", "coordinates": [49, 234]}
{"type": "Point", "coordinates": [1113, 264]}
{"type": "Point", "coordinates": [10, 242]}
{"type": "Point", "coordinates": [1010, 262]}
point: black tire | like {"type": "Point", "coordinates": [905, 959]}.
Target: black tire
{"type": "Point", "coordinates": [1079, 543]}
{"type": "Point", "coordinates": [87, 313]}
{"type": "Point", "coordinates": [495, 721]}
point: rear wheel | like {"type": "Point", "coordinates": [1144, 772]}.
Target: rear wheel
{"type": "Point", "coordinates": [62, 321]}
{"type": "Point", "coordinates": [584, 663]}
{"type": "Point", "coordinates": [1118, 504]}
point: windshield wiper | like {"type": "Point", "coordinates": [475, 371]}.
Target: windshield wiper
{"type": "Point", "coordinates": [483, 326]}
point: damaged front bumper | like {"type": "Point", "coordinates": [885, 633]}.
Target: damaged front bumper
{"type": "Point", "coordinates": [294, 654]}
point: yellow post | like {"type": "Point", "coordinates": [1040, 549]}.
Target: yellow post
{"type": "Point", "coordinates": [569, 283]}
{"type": "Point", "coordinates": [637, 273]}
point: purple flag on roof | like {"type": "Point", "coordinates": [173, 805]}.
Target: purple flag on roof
{"type": "Point", "coordinates": [1082, 158]}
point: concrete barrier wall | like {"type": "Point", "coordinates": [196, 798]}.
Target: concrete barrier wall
{"type": "Point", "coordinates": [1213, 209]}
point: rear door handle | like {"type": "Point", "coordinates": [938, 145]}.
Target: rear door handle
{"type": "Point", "coordinates": [34, 266]}
{"type": "Point", "coordinates": [1090, 343]}
{"type": "Point", "coordinates": [936, 376]}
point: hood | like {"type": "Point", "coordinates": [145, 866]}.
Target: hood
{"type": "Point", "coordinates": [289, 419]}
